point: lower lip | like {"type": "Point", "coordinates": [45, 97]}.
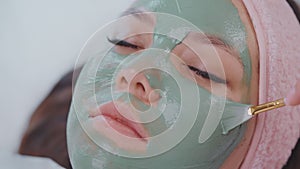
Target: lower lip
{"type": "Point", "coordinates": [121, 127]}
{"type": "Point", "coordinates": [118, 133]}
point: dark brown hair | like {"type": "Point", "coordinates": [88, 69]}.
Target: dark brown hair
{"type": "Point", "coordinates": [46, 132]}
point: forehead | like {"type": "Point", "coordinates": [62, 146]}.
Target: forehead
{"type": "Point", "coordinates": [207, 15]}
{"type": "Point", "coordinates": [215, 17]}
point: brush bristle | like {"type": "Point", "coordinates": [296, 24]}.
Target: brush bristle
{"type": "Point", "coordinates": [234, 115]}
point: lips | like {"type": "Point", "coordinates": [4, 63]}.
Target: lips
{"type": "Point", "coordinates": [121, 118]}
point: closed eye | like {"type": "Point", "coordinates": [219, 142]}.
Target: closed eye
{"type": "Point", "coordinates": [123, 43]}
{"type": "Point", "coordinates": [207, 75]}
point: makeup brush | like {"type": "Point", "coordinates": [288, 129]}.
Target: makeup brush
{"type": "Point", "coordinates": [254, 110]}
{"type": "Point", "coordinates": [242, 113]}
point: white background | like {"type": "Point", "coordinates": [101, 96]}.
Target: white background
{"type": "Point", "coordinates": [39, 42]}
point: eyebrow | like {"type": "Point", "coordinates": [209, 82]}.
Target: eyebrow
{"type": "Point", "coordinates": [218, 42]}
{"type": "Point", "coordinates": [140, 14]}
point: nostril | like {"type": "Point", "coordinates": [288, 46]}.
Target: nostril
{"type": "Point", "coordinates": [121, 83]}
{"type": "Point", "coordinates": [136, 84]}
{"type": "Point", "coordinates": [140, 86]}
{"type": "Point", "coordinates": [123, 80]}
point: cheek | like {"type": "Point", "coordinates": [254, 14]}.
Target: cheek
{"type": "Point", "coordinates": [240, 95]}
{"type": "Point", "coordinates": [238, 89]}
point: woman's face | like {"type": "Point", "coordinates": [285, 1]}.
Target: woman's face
{"type": "Point", "coordinates": [156, 98]}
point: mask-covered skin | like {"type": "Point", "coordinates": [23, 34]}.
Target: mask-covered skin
{"type": "Point", "coordinates": [170, 78]}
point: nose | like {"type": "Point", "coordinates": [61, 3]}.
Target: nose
{"type": "Point", "coordinates": [128, 80]}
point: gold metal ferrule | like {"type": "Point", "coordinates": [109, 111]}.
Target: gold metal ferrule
{"type": "Point", "coordinates": [254, 110]}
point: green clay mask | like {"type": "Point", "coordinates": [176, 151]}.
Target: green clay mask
{"type": "Point", "coordinates": [148, 108]}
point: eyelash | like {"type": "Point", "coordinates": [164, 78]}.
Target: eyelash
{"type": "Point", "coordinates": [123, 43]}
{"type": "Point", "coordinates": [207, 75]}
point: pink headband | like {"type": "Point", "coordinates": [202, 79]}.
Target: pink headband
{"type": "Point", "coordinates": [278, 36]}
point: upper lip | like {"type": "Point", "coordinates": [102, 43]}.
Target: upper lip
{"type": "Point", "coordinates": [109, 110]}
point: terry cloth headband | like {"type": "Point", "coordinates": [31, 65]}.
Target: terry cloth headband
{"type": "Point", "coordinates": [278, 36]}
